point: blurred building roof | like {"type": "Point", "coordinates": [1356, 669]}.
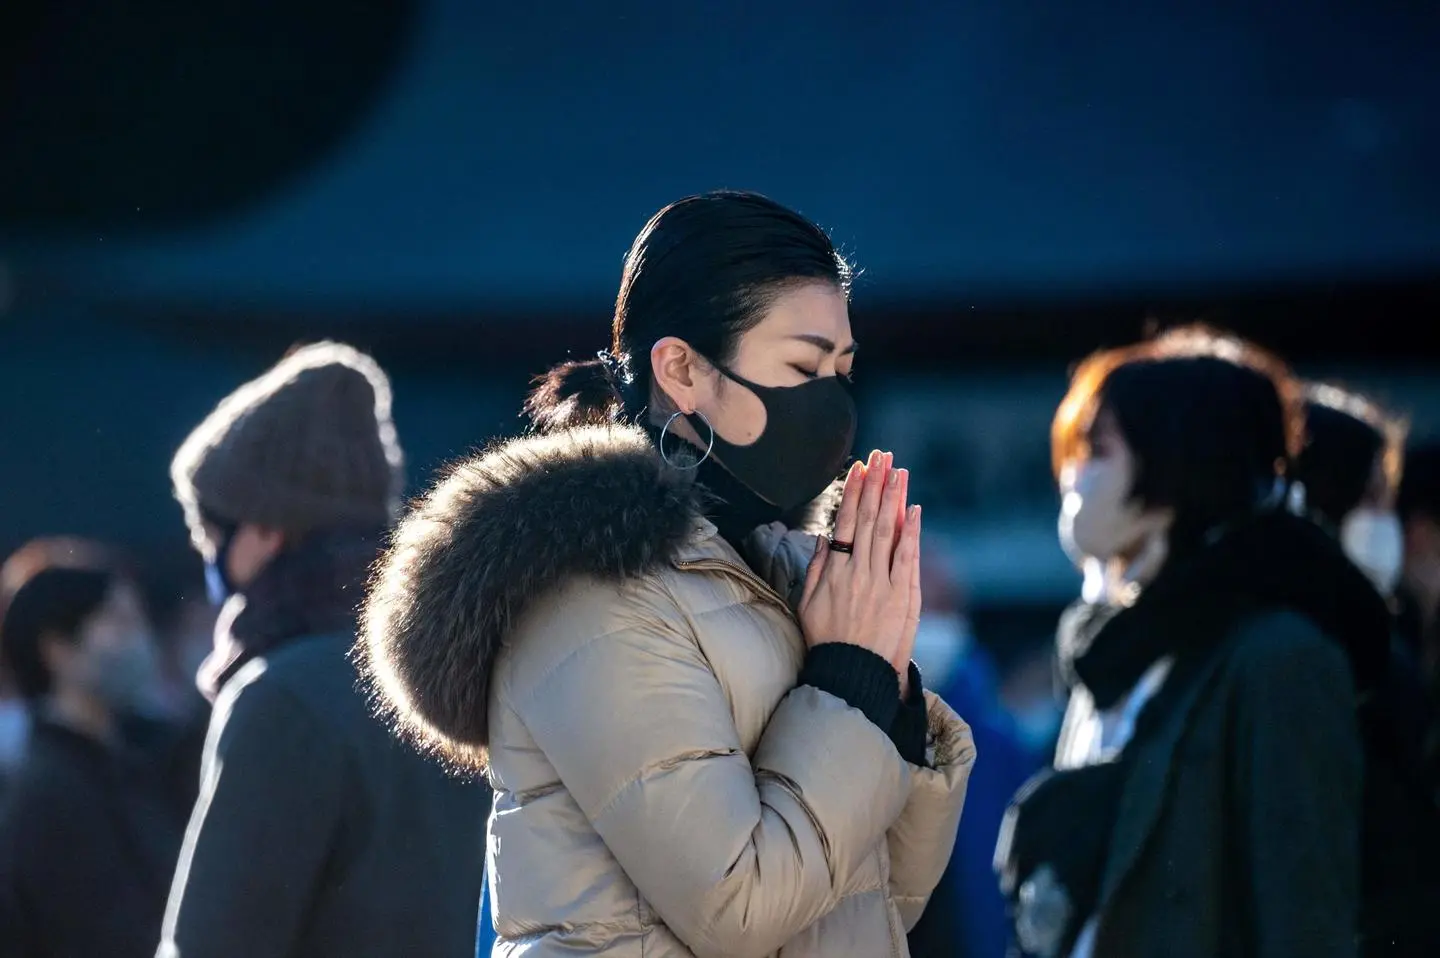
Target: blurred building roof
{"type": "Point", "coordinates": [950, 147]}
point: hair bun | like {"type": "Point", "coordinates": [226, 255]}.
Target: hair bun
{"type": "Point", "coordinates": [574, 394]}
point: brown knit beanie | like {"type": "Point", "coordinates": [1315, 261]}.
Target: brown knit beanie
{"type": "Point", "coordinates": [307, 446]}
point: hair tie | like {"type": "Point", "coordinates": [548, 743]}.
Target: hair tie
{"type": "Point", "coordinates": [617, 370]}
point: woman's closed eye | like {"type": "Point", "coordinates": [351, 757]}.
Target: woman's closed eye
{"type": "Point", "coordinates": [847, 375]}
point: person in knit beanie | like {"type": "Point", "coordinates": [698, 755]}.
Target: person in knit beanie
{"type": "Point", "coordinates": [309, 445]}
{"type": "Point", "coordinates": [310, 812]}
{"type": "Point", "coordinates": [302, 463]}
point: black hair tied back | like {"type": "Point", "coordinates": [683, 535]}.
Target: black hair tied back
{"type": "Point", "coordinates": [579, 393]}
{"type": "Point", "coordinates": [705, 270]}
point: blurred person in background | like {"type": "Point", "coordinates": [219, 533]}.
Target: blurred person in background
{"type": "Point", "coordinates": [967, 914]}
{"type": "Point", "coordinates": [14, 728]}
{"type": "Point", "coordinates": [945, 648]}
{"type": "Point", "coordinates": [89, 835]}
{"type": "Point", "coordinates": [190, 640]}
{"type": "Point", "coordinates": [702, 741]}
{"type": "Point", "coordinates": [1418, 505]}
{"type": "Point", "coordinates": [184, 712]}
{"type": "Point", "coordinates": [1206, 798]}
{"type": "Point", "coordinates": [1350, 469]}
{"type": "Point", "coordinates": [315, 833]}
{"type": "Point", "coordinates": [1028, 695]}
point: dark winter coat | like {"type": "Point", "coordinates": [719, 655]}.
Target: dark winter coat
{"type": "Point", "coordinates": [317, 833]}
{"type": "Point", "coordinates": [1235, 822]}
{"type": "Point", "coordinates": [89, 837]}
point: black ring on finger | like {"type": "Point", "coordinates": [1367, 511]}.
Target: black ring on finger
{"type": "Point", "coordinates": [844, 548]}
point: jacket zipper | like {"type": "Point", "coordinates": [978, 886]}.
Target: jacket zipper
{"type": "Point", "coordinates": [768, 592]}
{"type": "Point", "coordinates": [743, 574]}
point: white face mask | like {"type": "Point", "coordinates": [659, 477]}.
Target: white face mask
{"type": "Point", "coordinates": [1374, 540]}
{"type": "Point", "coordinates": [1097, 518]}
{"type": "Point", "coordinates": [125, 677]}
{"type": "Point", "coordinates": [941, 642]}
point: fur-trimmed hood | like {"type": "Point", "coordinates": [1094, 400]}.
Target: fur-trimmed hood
{"type": "Point", "coordinates": [494, 535]}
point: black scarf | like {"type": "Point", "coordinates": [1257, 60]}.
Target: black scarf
{"type": "Point", "coordinates": [1272, 560]}
{"type": "Point", "coordinates": [313, 588]}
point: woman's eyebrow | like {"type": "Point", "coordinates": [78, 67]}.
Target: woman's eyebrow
{"type": "Point", "coordinates": [825, 343]}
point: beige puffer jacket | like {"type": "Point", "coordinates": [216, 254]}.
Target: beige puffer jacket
{"type": "Point", "coordinates": [662, 787]}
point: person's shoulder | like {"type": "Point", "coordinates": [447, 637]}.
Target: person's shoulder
{"type": "Point", "coordinates": [311, 659]}
{"type": "Point", "coordinates": [298, 667]}
{"type": "Point", "coordinates": [312, 678]}
{"type": "Point", "coordinates": [594, 615]}
{"type": "Point", "coordinates": [1271, 645]}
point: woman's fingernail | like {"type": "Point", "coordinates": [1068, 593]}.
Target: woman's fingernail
{"type": "Point", "coordinates": [893, 479]}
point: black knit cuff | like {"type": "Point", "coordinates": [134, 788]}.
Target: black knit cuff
{"type": "Point", "coordinates": [910, 731]}
{"type": "Point", "coordinates": [861, 678]}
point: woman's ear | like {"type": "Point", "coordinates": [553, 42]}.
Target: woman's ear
{"type": "Point", "coordinates": [673, 371]}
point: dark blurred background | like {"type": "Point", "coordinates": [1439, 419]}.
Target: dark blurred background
{"type": "Point", "coordinates": [185, 193]}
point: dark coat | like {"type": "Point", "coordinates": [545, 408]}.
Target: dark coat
{"type": "Point", "coordinates": [1239, 805]}
{"type": "Point", "coordinates": [88, 841]}
{"type": "Point", "coordinates": [317, 833]}
{"type": "Point", "coordinates": [1238, 830]}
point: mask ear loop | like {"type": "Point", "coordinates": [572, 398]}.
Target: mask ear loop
{"type": "Point", "coordinates": [666, 429]}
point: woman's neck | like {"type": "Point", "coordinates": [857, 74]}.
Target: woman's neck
{"type": "Point", "coordinates": [730, 505]}
{"type": "Point", "coordinates": [735, 510]}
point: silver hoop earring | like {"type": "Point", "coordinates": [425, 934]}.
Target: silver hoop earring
{"type": "Point", "coordinates": [666, 428]}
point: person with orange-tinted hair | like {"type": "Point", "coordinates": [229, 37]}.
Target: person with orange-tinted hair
{"type": "Point", "coordinates": [1206, 793]}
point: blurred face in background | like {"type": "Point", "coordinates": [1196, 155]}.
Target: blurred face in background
{"type": "Point", "coordinates": [1372, 536]}
{"type": "Point", "coordinates": [112, 661]}
{"type": "Point", "coordinates": [1099, 518]}
{"type": "Point", "coordinates": [944, 636]}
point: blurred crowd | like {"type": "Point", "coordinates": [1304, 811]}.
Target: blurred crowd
{"type": "Point", "coordinates": [218, 784]}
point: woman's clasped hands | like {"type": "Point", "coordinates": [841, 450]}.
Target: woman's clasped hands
{"type": "Point", "coordinates": [863, 586]}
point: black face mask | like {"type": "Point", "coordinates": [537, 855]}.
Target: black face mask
{"type": "Point", "coordinates": [809, 430]}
